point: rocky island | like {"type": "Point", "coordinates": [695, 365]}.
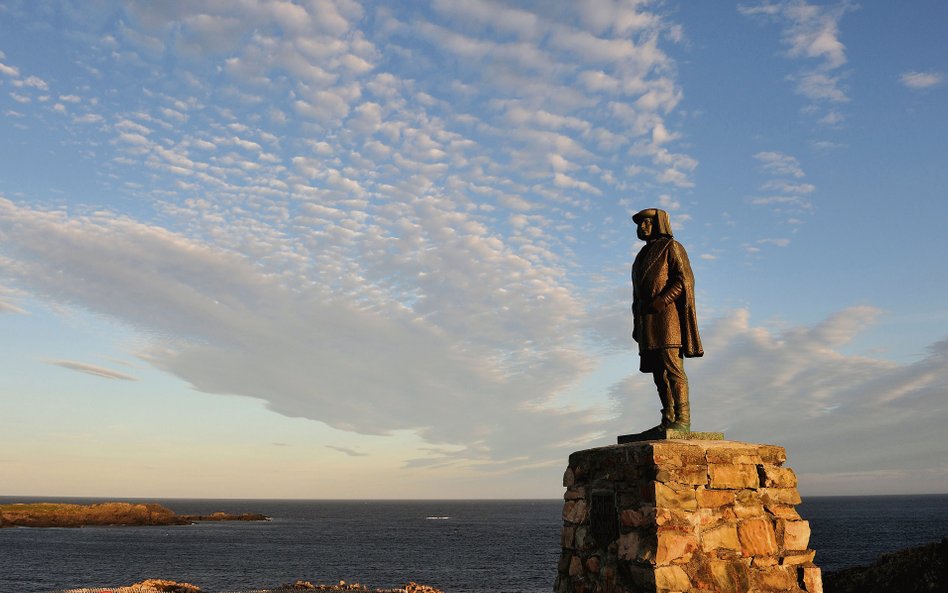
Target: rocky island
{"type": "Point", "coordinates": [54, 514]}
{"type": "Point", "coordinates": [168, 586]}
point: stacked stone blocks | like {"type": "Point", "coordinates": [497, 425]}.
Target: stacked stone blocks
{"type": "Point", "coordinates": [684, 516]}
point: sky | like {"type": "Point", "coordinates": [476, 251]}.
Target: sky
{"type": "Point", "coordinates": [343, 249]}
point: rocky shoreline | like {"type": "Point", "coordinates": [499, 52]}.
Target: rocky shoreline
{"type": "Point", "coordinates": [168, 586]}
{"type": "Point", "coordinates": [45, 514]}
{"type": "Point", "coordinates": [923, 569]}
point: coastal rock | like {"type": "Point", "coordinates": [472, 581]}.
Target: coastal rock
{"type": "Point", "coordinates": [411, 587]}
{"type": "Point", "coordinates": [169, 586]}
{"type": "Point", "coordinates": [77, 515]}
{"type": "Point", "coordinates": [107, 513]}
{"type": "Point", "coordinates": [159, 586]}
{"type": "Point", "coordinates": [222, 516]}
{"type": "Point", "coordinates": [297, 586]}
{"type": "Point", "coordinates": [922, 569]}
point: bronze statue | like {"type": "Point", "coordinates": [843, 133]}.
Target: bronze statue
{"type": "Point", "coordinates": [663, 311]}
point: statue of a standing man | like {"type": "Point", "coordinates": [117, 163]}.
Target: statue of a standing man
{"type": "Point", "coordinates": [663, 310]}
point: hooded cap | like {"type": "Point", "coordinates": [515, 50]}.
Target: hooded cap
{"type": "Point", "coordinates": [659, 219]}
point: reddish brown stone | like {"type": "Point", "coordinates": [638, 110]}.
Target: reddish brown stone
{"type": "Point", "coordinates": [796, 535]}
{"type": "Point", "coordinates": [788, 496]}
{"type": "Point", "coordinates": [675, 545]}
{"type": "Point", "coordinates": [673, 496]}
{"type": "Point", "coordinates": [774, 578]}
{"type": "Point", "coordinates": [575, 511]}
{"type": "Point", "coordinates": [671, 578]}
{"type": "Point", "coordinates": [812, 579]}
{"type": "Point", "coordinates": [772, 454]}
{"type": "Point", "coordinates": [633, 547]}
{"type": "Point", "coordinates": [795, 558]}
{"type": "Point", "coordinates": [637, 517]}
{"type": "Point", "coordinates": [678, 454]}
{"type": "Point", "coordinates": [757, 537]}
{"type": "Point", "coordinates": [674, 517]}
{"type": "Point", "coordinates": [575, 566]}
{"type": "Point", "coordinates": [729, 576]}
{"type": "Point", "coordinates": [689, 474]}
{"type": "Point", "coordinates": [733, 476]}
{"type": "Point", "coordinates": [714, 498]}
{"type": "Point", "coordinates": [592, 564]}
{"type": "Point", "coordinates": [747, 504]}
{"type": "Point", "coordinates": [764, 561]}
{"type": "Point", "coordinates": [569, 477]}
{"type": "Point", "coordinates": [734, 455]}
{"type": "Point", "coordinates": [582, 539]}
{"type": "Point", "coordinates": [750, 511]}
{"type": "Point", "coordinates": [772, 476]}
{"type": "Point", "coordinates": [566, 537]}
{"type": "Point", "coordinates": [575, 493]}
{"type": "Point", "coordinates": [705, 518]}
{"type": "Point", "coordinates": [722, 536]}
{"type": "Point", "coordinates": [782, 511]}
{"type": "Point", "coordinates": [747, 496]}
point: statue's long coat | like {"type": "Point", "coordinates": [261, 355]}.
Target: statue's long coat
{"type": "Point", "coordinates": [662, 268]}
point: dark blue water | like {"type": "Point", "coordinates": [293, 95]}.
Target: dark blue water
{"type": "Point", "coordinates": [482, 545]}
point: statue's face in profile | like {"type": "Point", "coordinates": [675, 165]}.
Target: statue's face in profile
{"type": "Point", "coordinates": [644, 230]}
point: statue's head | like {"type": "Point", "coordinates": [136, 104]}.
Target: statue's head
{"type": "Point", "coordinates": [652, 223]}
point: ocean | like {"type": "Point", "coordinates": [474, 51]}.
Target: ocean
{"type": "Point", "coordinates": [458, 546]}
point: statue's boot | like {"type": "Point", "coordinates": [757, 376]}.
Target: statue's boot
{"type": "Point", "coordinates": [668, 419]}
{"type": "Point", "coordinates": [682, 411]}
{"type": "Point", "coordinates": [668, 409]}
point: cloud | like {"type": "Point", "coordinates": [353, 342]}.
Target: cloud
{"type": "Point", "coordinates": [6, 307]}
{"type": "Point", "coordinates": [33, 82]}
{"type": "Point", "coordinates": [502, 18]}
{"type": "Point", "coordinates": [820, 86]}
{"type": "Point", "coordinates": [788, 187]}
{"type": "Point", "coordinates": [921, 80]}
{"type": "Point", "coordinates": [92, 369]}
{"type": "Point", "coordinates": [776, 242]}
{"type": "Point", "coordinates": [468, 356]}
{"type": "Point", "coordinates": [347, 451]}
{"type": "Point", "coordinates": [781, 194]}
{"type": "Point", "coordinates": [795, 388]}
{"type": "Point", "coordinates": [348, 259]}
{"type": "Point", "coordinates": [811, 32]}
{"type": "Point", "coordinates": [9, 297]}
{"type": "Point", "coordinates": [779, 163]}
{"type": "Point", "coordinates": [11, 71]}
{"type": "Point", "coordinates": [463, 359]}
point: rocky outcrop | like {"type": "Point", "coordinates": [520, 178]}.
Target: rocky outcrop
{"type": "Point", "coordinates": [344, 586]}
{"type": "Point", "coordinates": [166, 586]}
{"type": "Point", "coordinates": [222, 516]}
{"type": "Point", "coordinates": [916, 570]}
{"type": "Point", "coordinates": [107, 513]}
{"type": "Point", "coordinates": [684, 516]}
{"type": "Point", "coordinates": [159, 586]}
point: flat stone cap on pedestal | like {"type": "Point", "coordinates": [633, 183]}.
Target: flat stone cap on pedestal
{"type": "Point", "coordinates": [664, 434]}
{"type": "Point", "coordinates": [693, 451]}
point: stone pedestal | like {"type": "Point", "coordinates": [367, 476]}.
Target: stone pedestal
{"type": "Point", "coordinates": [683, 516]}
